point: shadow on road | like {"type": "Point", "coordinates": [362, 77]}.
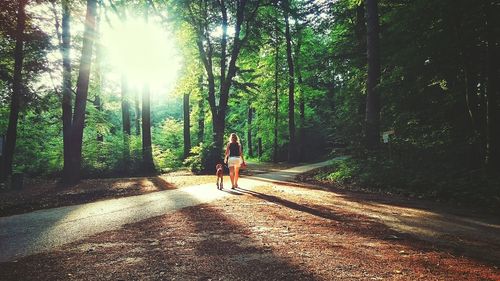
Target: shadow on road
{"type": "Point", "coordinates": [295, 206]}
{"type": "Point", "coordinates": [231, 251]}
{"type": "Point", "coordinates": [209, 242]}
{"type": "Point", "coordinates": [454, 235]}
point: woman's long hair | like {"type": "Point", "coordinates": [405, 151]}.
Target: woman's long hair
{"type": "Point", "coordinates": [233, 135]}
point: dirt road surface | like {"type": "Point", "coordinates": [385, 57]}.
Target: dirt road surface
{"type": "Point", "coordinates": [272, 229]}
{"type": "Point", "coordinates": [35, 232]}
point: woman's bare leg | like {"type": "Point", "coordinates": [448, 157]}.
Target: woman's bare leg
{"type": "Point", "coordinates": [231, 175]}
{"type": "Point", "coordinates": [236, 175]}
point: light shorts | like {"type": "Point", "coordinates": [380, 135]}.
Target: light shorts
{"type": "Point", "coordinates": [234, 161]}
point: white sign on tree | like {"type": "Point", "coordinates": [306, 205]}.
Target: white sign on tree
{"type": "Point", "coordinates": [386, 136]}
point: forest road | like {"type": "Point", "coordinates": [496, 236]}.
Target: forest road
{"type": "Point", "coordinates": [40, 231]}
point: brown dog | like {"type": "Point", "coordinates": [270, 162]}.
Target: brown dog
{"type": "Point", "coordinates": [219, 168]}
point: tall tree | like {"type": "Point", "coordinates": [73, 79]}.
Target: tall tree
{"type": "Point", "coordinates": [99, 72]}
{"type": "Point", "coordinates": [125, 95]}
{"type": "Point", "coordinates": [82, 86]}
{"type": "Point", "coordinates": [187, 126]}
{"type": "Point", "coordinates": [137, 117]}
{"type": "Point", "coordinates": [292, 145]}
{"type": "Point", "coordinates": [98, 106]}
{"type": "Point", "coordinates": [360, 29]}
{"type": "Point", "coordinates": [249, 130]}
{"type": "Point", "coordinates": [372, 119]}
{"type": "Point", "coordinates": [302, 107]}
{"type": "Point", "coordinates": [147, 150]}
{"type": "Point", "coordinates": [276, 97]}
{"type": "Point", "coordinates": [67, 109]}
{"type": "Point", "coordinates": [204, 16]}
{"type": "Point", "coordinates": [125, 104]}
{"type": "Point", "coordinates": [17, 87]}
{"type": "Point", "coordinates": [201, 113]}
{"type": "Point", "coordinates": [125, 120]}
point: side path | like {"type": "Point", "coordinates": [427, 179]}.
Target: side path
{"type": "Point", "coordinates": [39, 231]}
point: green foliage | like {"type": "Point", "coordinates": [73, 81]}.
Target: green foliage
{"type": "Point", "coordinates": [168, 148]}
{"type": "Point", "coordinates": [39, 147]}
{"type": "Point", "coordinates": [340, 171]}
{"type": "Point", "coordinates": [101, 158]}
{"type": "Point", "coordinates": [203, 158]}
{"type": "Point", "coordinates": [441, 182]}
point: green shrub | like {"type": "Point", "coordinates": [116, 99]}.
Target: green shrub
{"type": "Point", "coordinates": [166, 159]}
{"type": "Point", "coordinates": [203, 158]}
{"type": "Point", "coordinates": [340, 171]}
{"type": "Point", "coordinates": [168, 150]}
{"type": "Point", "coordinates": [437, 182]}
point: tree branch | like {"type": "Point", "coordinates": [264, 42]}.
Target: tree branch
{"type": "Point", "coordinates": [223, 40]}
{"type": "Point", "coordinates": [58, 31]}
{"type": "Point", "coordinates": [151, 3]}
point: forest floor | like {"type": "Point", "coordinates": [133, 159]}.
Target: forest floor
{"type": "Point", "coordinates": [283, 231]}
{"type": "Point", "coordinates": [41, 193]}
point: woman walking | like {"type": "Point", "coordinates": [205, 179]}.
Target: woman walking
{"type": "Point", "coordinates": [234, 158]}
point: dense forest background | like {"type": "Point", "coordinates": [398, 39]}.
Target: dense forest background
{"type": "Point", "coordinates": [408, 89]}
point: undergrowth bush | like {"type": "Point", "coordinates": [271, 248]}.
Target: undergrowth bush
{"type": "Point", "coordinates": [203, 158]}
{"type": "Point", "coordinates": [376, 173]}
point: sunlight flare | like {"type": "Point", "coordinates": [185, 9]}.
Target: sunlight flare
{"type": "Point", "coordinates": [143, 51]}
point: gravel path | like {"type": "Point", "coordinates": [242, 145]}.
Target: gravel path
{"type": "Point", "coordinates": [40, 231]}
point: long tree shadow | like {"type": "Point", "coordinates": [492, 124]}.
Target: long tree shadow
{"type": "Point", "coordinates": [221, 240]}
{"type": "Point", "coordinates": [48, 196]}
{"type": "Point", "coordinates": [228, 250]}
{"type": "Point", "coordinates": [295, 206]}
{"type": "Point", "coordinates": [377, 229]}
{"type": "Point", "coordinates": [481, 231]}
{"type": "Point", "coordinates": [279, 178]}
{"type": "Point", "coordinates": [459, 230]}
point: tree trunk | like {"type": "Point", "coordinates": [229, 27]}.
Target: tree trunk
{"type": "Point", "coordinates": [125, 121]}
{"type": "Point", "coordinates": [137, 115]}
{"type": "Point", "coordinates": [187, 127]}
{"type": "Point", "coordinates": [147, 152]}
{"type": "Point", "coordinates": [493, 131]}
{"type": "Point", "coordinates": [81, 93]}
{"type": "Point", "coordinates": [10, 142]}
{"type": "Point", "coordinates": [276, 98]}
{"type": "Point", "coordinates": [302, 129]}
{"type": "Point", "coordinates": [67, 110]}
{"type": "Point", "coordinates": [223, 40]}
{"type": "Point", "coordinates": [125, 106]}
{"type": "Point", "coordinates": [201, 113]}
{"type": "Point", "coordinates": [219, 124]}
{"type": "Point", "coordinates": [301, 139]}
{"type": "Point", "coordinates": [259, 147]}
{"type": "Point", "coordinates": [360, 30]}
{"type": "Point", "coordinates": [372, 119]}
{"type": "Point", "coordinates": [292, 146]}
{"type": "Point", "coordinates": [482, 114]}
{"type": "Point", "coordinates": [249, 132]}
{"type": "Point", "coordinates": [98, 107]}
{"type": "Point", "coordinates": [469, 105]}
{"type": "Point", "coordinates": [99, 72]}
